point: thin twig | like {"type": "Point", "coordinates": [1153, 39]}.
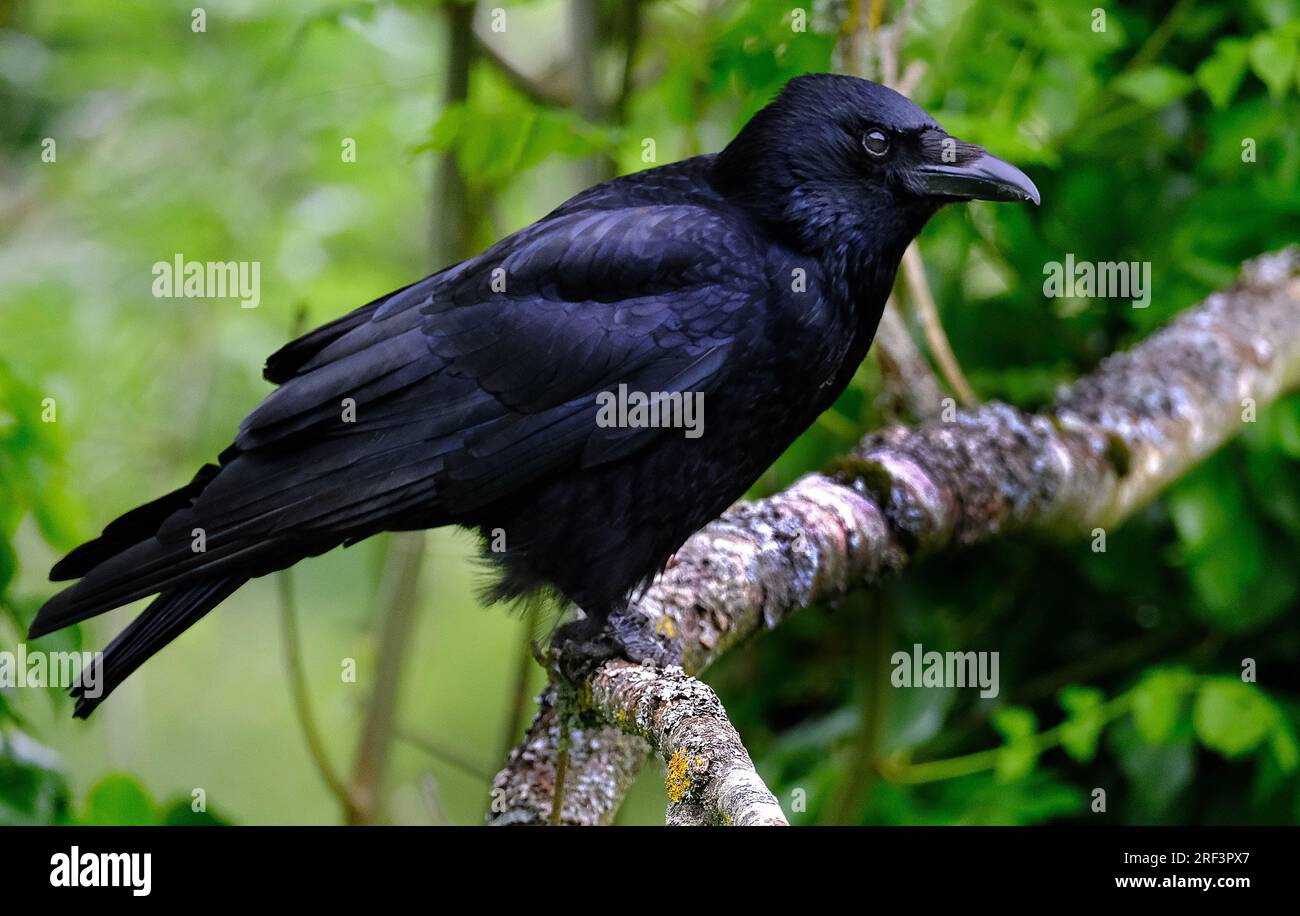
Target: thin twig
{"type": "Point", "coordinates": [302, 695]}
{"type": "Point", "coordinates": [400, 601]}
{"type": "Point", "coordinates": [538, 92]}
{"type": "Point", "coordinates": [561, 770]}
{"type": "Point", "coordinates": [587, 101]}
{"type": "Point", "coordinates": [927, 313]}
{"type": "Point", "coordinates": [631, 27]}
{"type": "Point", "coordinates": [439, 752]}
{"type": "Point", "coordinates": [518, 699]}
{"type": "Point", "coordinates": [874, 638]}
{"type": "Point", "coordinates": [452, 206]}
{"type": "Point", "coordinates": [903, 772]}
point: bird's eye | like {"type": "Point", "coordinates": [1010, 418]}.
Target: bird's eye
{"type": "Point", "coordinates": [875, 142]}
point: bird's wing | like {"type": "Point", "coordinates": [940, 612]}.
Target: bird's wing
{"type": "Point", "coordinates": [450, 394]}
{"type": "Point", "coordinates": [477, 381]}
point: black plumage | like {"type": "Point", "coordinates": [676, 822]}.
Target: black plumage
{"type": "Point", "coordinates": [755, 277]}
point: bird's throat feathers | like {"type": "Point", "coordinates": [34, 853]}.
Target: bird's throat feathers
{"type": "Point", "coordinates": [857, 232]}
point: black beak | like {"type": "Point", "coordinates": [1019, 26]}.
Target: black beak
{"type": "Point", "coordinates": [985, 177]}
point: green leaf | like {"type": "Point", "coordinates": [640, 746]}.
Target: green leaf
{"type": "Point", "coordinates": [1157, 703]}
{"type": "Point", "coordinates": [1226, 550]}
{"type": "Point", "coordinates": [1015, 722]}
{"type": "Point", "coordinates": [1286, 415]}
{"type": "Point", "coordinates": [119, 800]}
{"type": "Point", "coordinates": [8, 563]}
{"type": "Point", "coordinates": [914, 717]}
{"type": "Point", "coordinates": [181, 813]}
{"type": "Point", "coordinates": [1231, 717]}
{"type": "Point", "coordinates": [1285, 748]}
{"type": "Point", "coordinates": [1017, 757]}
{"type": "Point", "coordinates": [1221, 73]}
{"type": "Point", "coordinates": [32, 790]}
{"type": "Point", "coordinates": [1276, 12]}
{"type": "Point", "coordinates": [1154, 86]}
{"type": "Point", "coordinates": [1273, 58]}
{"type": "Point", "coordinates": [1083, 725]}
{"type": "Point", "coordinates": [448, 128]}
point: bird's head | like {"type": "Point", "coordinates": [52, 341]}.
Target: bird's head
{"type": "Point", "coordinates": [833, 157]}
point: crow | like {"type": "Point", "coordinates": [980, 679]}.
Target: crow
{"type": "Point", "coordinates": [750, 281]}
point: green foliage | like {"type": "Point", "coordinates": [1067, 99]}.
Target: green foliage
{"type": "Point", "coordinates": [1221, 73]}
{"type": "Point", "coordinates": [495, 143]}
{"type": "Point", "coordinates": [1119, 669]}
{"type": "Point", "coordinates": [119, 799]}
{"type": "Point", "coordinates": [1154, 86]}
{"type": "Point", "coordinates": [1019, 753]}
{"type": "Point", "coordinates": [32, 790]}
{"type": "Point", "coordinates": [1159, 702]}
{"type": "Point", "coordinates": [1232, 718]}
{"type": "Point", "coordinates": [1081, 731]}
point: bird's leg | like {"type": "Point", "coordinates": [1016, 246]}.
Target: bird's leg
{"type": "Point", "coordinates": [580, 647]}
{"type": "Point", "coordinates": [640, 641]}
{"type": "Point", "coordinates": [577, 649]}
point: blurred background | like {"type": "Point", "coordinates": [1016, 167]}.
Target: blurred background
{"type": "Point", "coordinates": [352, 147]}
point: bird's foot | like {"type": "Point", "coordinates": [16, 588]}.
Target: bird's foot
{"type": "Point", "coordinates": [579, 648]}
{"type": "Point", "coordinates": [642, 642]}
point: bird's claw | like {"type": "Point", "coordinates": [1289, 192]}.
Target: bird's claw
{"type": "Point", "coordinates": [579, 648]}
{"type": "Point", "coordinates": [641, 643]}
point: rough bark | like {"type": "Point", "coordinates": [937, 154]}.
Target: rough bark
{"type": "Point", "coordinates": [710, 776]}
{"type": "Point", "coordinates": [1110, 443]}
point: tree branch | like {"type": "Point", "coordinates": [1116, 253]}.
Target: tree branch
{"type": "Point", "coordinates": [540, 92]}
{"type": "Point", "coordinates": [1110, 444]}
{"type": "Point", "coordinates": [711, 779]}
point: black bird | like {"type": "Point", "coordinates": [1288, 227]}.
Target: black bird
{"type": "Point", "coordinates": [753, 278]}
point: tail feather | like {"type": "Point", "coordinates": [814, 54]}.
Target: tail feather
{"type": "Point", "coordinates": [130, 529]}
{"type": "Point", "coordinates": [150, 568]}
{"type": "Point", "coordinates": [170, 614]}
